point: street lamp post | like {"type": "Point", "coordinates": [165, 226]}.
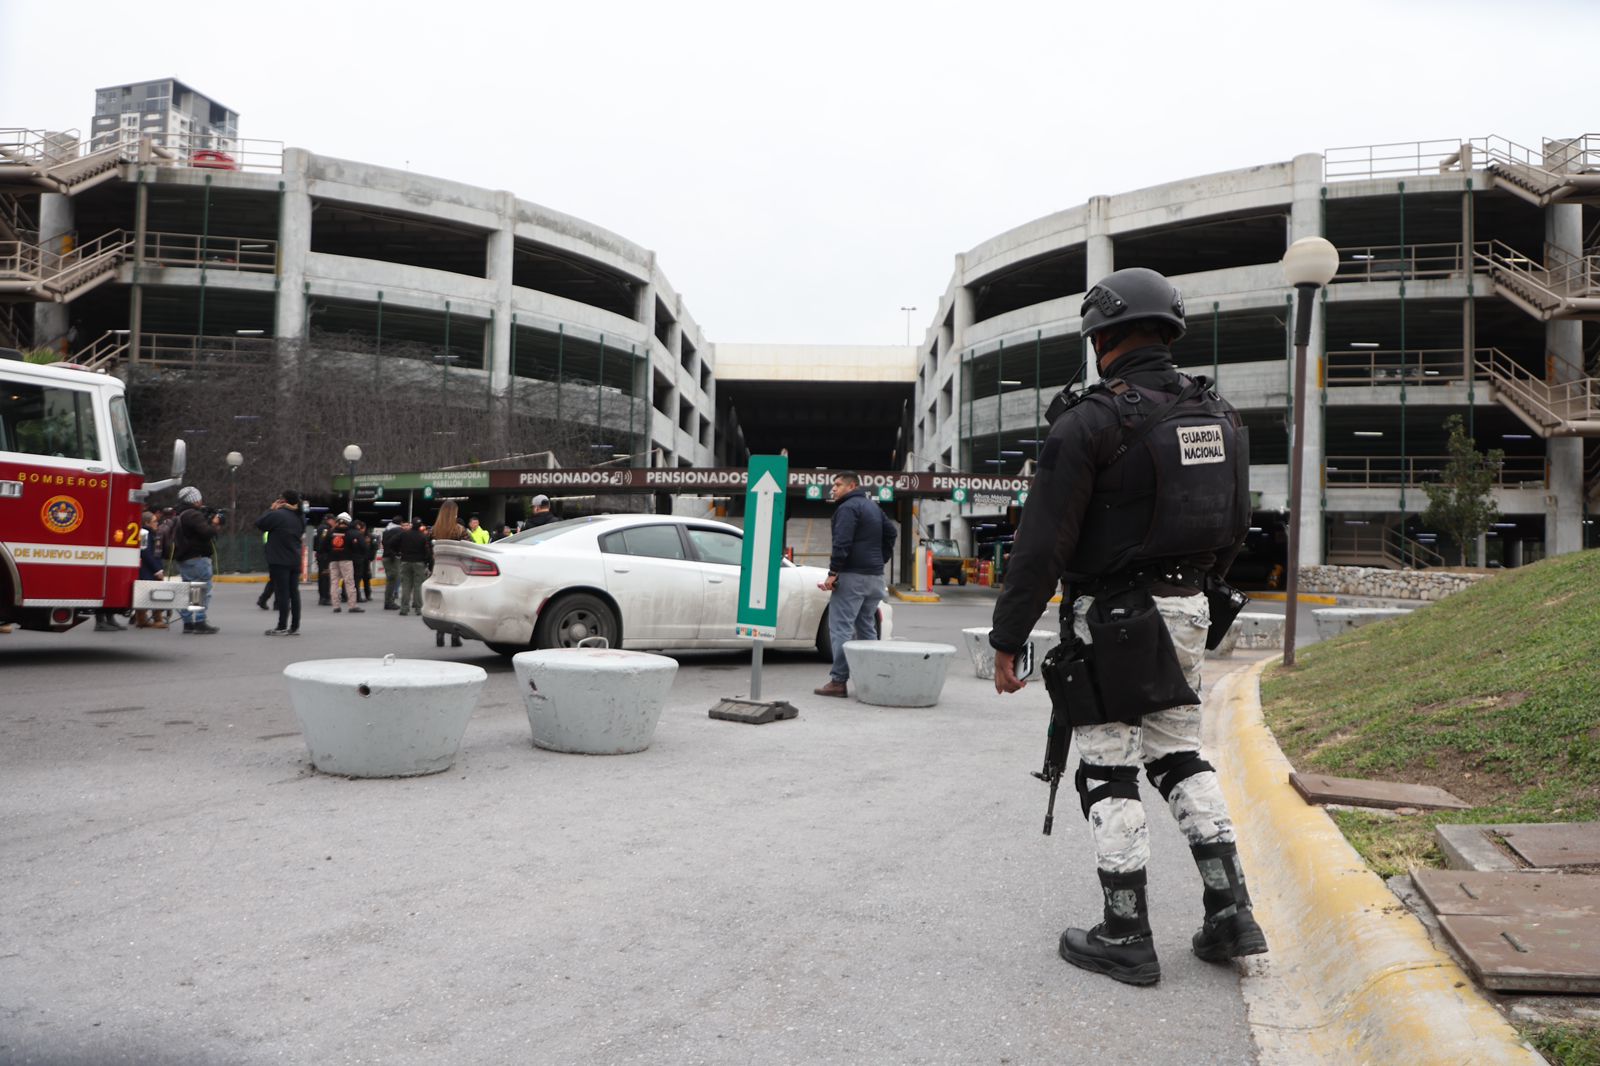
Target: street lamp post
{"type": "Point", "coordinates": [352, 455]}
{"type": "Point", "coordinates": [234, 460]}
{"type": "Point", "coordinates": [1309, 264]}
{"type": "Point", "coordinates": [908, 311]}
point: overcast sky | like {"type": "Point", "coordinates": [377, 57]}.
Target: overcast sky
{"type": "Point", "coordinates": [804, 170]}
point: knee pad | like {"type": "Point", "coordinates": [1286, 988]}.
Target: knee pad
{"type": "Point", "coordinates": [1167, 772]}
{"type": "Point", "coordinates": [1121, 782]}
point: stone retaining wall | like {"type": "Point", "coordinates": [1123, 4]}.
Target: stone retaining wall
{"type": "Point", "coordinates": [1378, 583]}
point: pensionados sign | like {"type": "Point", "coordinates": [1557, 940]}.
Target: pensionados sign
{"type": "Point", "coordinates": [714, 481]}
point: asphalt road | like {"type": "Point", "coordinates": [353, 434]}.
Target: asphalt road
{"type": "Point", "coordinates": [858, 885]}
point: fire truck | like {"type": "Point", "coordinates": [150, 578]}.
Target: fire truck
{"type": "Point", "coordinates": [71, 490]}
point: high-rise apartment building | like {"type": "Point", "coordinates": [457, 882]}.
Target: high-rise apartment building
{"type": "Point", "coordinates": [166, 110]}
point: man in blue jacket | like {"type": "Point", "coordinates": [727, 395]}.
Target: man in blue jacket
{"type": "Point", "coordinates": [863, 540]}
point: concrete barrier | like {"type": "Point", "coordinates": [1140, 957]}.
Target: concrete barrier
{"type": "Point", "coordinates": [1334, 621]}
{"type": "Point", "coordinates": [593, 701]}
{"type": "Point", "coordinates": [978, 646]}
{"type": "Point", "coordinates": [1257, 630]}
{"type": "Point", "coordinates": [895, 673]}
{"type": "Point", "coordinates": [383, 717]}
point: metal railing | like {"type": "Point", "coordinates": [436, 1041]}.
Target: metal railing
{"type": "Point", "coordinates": [1397, 159]}
{"type": "Point", "coordinates": [1383, 545]}
{"type": "Point", "coordinates": [1392, 471]}
{"type": "Point", "coordinates": [212, 251]}
{"type": "Point", "coordinates": [188, 351]}
{"type": "Point", "coordinates": [1399, 262]}
{"type": "Point", "coordinates": [205, 151]}
{"type": "Point", "coordinates": [1561, 280]}
{"type": "Point", "coordinates": [1570, 155]}
{"type": "Point", "coordinates": [57, 275]}
{"type": "Point", "coordinates": [1552, 403]}
{"type": "Point", "coordinates": [1391, 366]}
{"type": "Point", "coordinates": [104, 352]}
{"type": "Point", "coordinates": [39, 148]}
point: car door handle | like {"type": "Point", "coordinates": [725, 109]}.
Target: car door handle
{"type": "Point", "coordinates": [714, 580]}
{"type": "Point", "coordinates": [621, 570]}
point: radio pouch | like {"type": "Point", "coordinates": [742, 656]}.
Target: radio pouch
{"type": "Point", "coordinates": [1136, 668]}
{"type": "Point", "coordinates": [1069, 680]}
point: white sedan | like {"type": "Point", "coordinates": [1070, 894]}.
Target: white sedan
{"type": "Point", "coordinates": [640, 581]}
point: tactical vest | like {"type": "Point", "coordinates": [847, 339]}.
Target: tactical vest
{"type": "Point", "coordinates": [1179, 484]}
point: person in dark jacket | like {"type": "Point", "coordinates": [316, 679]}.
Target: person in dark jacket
{"type": "Point", "coordinates": [285, 529]}
{"type": "Point", "coordinates": [150, 569]}
{"type": "Point", "coordinates": [391, 564]}
{"type": "Point", "coordinates": [344, 548]}
{"type": "Point", "coordinates": [542, 515]}
{"type": "Point", "coordinates": [416, 554]}
{"type": "Point", "coordinates": [193, 549]}
{"type": "Point", "coordinates": [1140, 500]}
{"type": "Point", "coordinates": [863, 540]}
{"type": "Point", "coordinates": [319, 550]}
{"type": "Point", "coordinates": [363, 560]}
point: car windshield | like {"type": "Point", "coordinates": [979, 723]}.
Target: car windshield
{"type": "Point", "coordinates": [549, 531]}
{"type": "Point", "coordinates": [943, 547]}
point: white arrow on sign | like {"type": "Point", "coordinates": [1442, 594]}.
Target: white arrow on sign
{"type": "Point", "coordinates": [760, 556]}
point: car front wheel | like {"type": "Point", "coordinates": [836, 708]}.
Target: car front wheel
{"type": "Point", "coordinates": [575, 618]}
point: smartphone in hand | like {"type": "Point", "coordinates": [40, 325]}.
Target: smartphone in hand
{"type": "Point", "coordinates": [1023, 666]}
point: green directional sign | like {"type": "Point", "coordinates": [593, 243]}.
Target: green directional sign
{"type": "Point", "coordinates": [427, 492]}
{"type": "Point", "coordinates": [958, 495]}
{"type": "Point", "coordinates": [1022, 497]}
{"type": "Point", "coordinates": [765, 490]}
{"type": "Point", "coordinates": [884, 494]}
{"type": "Point", "coordinates": [813, 492]}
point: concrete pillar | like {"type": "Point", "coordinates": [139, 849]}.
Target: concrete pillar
{"type": "Point", "coordinates": [644, 312]}
{"type": "Point", "coordinates": [294, 244]}
{"type": "Point", "coordinates": [57, 220]}
{"type": "Point", "coordinates": [1305, 220]}
{"type": "Point", "coordinates": [1101, 258]}
{"type": "Point", "coordinates": [1563, 512]}
{"type": "Point", "coordinates": [498, 269]}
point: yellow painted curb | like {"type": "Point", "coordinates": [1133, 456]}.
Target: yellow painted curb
{"type": "Point", "coordinates": [913, 597]}
{"type": "Point", "coordinates": [1365, 983]}
{"type": "Point", "coordinates": [1304, 597]}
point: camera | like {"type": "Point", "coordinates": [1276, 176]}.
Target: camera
{"type": "Point", "coordinates": [217, 514]}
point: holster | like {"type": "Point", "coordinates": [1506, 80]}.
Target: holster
{"type": "Point", "coordinates": [1136, 668]}
{"type": "Point", "coordinates": [1069, 679]}
{"type": "Point", "coordinates": [1225, 602]}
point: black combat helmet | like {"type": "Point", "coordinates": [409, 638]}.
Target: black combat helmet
{"type": "Point", "coordinates": [1126, 296]}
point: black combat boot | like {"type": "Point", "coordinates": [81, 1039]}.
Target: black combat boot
{"type": "Point", "coordinates": [1230, 930]}
{"type": "Point", "coordinates": [1121, 946]}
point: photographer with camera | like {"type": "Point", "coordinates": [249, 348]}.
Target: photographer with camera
{"type": "Point", "coordinates": [285, 528]}
{"type": "Point", "coordinates": [194, 548]}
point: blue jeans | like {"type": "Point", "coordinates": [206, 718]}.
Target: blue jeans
{"type": "Point", "coordinates": [853, 615]}
{"type": "Point", "coordinates": [197, 570]}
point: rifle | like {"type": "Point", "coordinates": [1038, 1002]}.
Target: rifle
{"type": "Point", "coordinates": [1056, 741]}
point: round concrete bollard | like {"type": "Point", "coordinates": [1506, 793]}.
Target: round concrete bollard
{"type": "Point", "coordinates": [895, 673]}
{"type": "Point", "coordinates": [978, 646]}
{"type": "Point", "coordinates": [383, 717]}
{"type": "Point", "coordinates": [593, 701]}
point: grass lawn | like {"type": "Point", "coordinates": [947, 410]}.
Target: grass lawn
{"type": "Point", "coordinates": [1493, 694]}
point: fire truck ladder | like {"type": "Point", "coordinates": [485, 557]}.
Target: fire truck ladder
{"type": "Point", "coordinates": [54, 162]}
{"type": "Point", "coordinates": [1566, 171]}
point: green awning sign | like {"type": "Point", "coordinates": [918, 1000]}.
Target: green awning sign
{"type": "Point", "coordinates": [958, 495]}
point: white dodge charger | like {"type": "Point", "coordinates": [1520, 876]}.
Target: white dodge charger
{"type": "Point", "coordinates": [640, 581]}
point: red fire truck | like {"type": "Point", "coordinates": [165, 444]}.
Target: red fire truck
{"type": "Point", "coordinates": [71, 490]}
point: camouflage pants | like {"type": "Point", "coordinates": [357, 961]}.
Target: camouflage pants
{"type": "Point", "coordinates": [1121, 837]}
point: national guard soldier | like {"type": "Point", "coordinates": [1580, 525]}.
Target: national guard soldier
{"type": "Point", "coordinates": [1139, 505]}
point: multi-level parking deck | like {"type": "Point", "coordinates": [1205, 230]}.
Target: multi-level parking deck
{"type": "Point", "coordinates": [168, 252]}
{"type": "Point", "coordinates": [1469, 284]}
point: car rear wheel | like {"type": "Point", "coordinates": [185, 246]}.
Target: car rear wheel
{"type": "Point", "coordinates": [575, 618]}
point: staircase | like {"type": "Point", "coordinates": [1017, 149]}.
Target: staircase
{"type": "Point", "coordinates": [1565, 409]}
{"type": "Point", "coordinates": [1383, 546]}
{"type": "Point", "coordinates": [31, 271]}
{"type": "Point", "coordinates": [1559, 286]}
{"type": "Point", "coordinates": [54, 162]}
{"type": "Point", "coordinates": [1566, 171]}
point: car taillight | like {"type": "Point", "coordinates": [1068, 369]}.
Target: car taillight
{"type": "Point", "coordinates": [480, 568]}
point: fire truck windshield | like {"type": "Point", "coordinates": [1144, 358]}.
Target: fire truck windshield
{"type": "Point", "coordinates": [40, 419]}
{"type": "Point", "coordinates": [122, 436]}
